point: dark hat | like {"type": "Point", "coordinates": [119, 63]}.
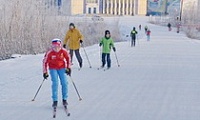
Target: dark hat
{"type": "Point", "coordinates": [71, 24]}
{"type": "Point", "coordinates": [107, 32]}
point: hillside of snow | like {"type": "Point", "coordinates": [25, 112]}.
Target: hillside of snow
{"type": "Point", "coordinates": [157, 80]}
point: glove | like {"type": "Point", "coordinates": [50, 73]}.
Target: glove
{"type": "Point", "coordinates": [68, 71]}
{"type": "Point", "coordinates": [114, 49]}
{"type": "Point", "coordinates": [100, 44]}
{"type": "Point", "coordinates": [81, 41]}
{"type": "Point", "coordinates": [64, 46]}
{"type": "Point", "coordinates": [45, 75]}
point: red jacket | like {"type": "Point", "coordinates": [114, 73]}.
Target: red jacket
{"type": "Point", "coordinates": [56, 60]}
{"type": "Point", "coordinates": [148, 32]}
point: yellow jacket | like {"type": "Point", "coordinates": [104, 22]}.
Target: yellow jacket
{"type": "Point", "coordinates": [72, 39]}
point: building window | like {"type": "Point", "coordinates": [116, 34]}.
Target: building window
{"type": "Point", "coordinates": [91, 1]}
{"type": "Point", "coordinates": [89, 10]}
{"type": "Point", "coordinates": [95, 10]}
{"type": "Point", "coordinates": [59, 2]}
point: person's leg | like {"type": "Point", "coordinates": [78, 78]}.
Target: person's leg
{"type": "Point", "coordinates": [132, 42]}
{"type": "Point", "coordinates": [54, 86]}
{"type": "Point", "coordinates": [71, 54]}
{"type": "Point", "coordinates": [64, 83]}
{"type": "Point", "coordinates": [79, 58]}
{"type": "Point", "coordinates": [177, 29]}
{"type": "Point", "coordinates": [103, 59]}
{"type": "Point", "coordinates": [148, 37]}
{"type": "Point", "coordinates": [108, 60]}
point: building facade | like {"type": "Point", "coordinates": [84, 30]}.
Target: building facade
{"type": "Point", "coordinates": [77, 6]}
{"type": "Point", "coordinates": [112, 7]}
{"type": "Point", "coordinates": [91, 6]}
{"type": "Point", "coordinates": [123, 7]}
{"type": "Point", "coordinates": [63, 7]}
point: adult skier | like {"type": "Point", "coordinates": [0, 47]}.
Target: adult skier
{"type": "Point", "coordinates": [57, 60]}
{"type": "Point", "coordinates": [140, 27]}
{"type": "Point", "coordinates": [178, 27]}
{"type": "Point", "coordinates": [73, 39]}
{"type": "Point", "coordinates": [133, 36]}
{"type": "Point", "coordinates": [145, 29]}
{"type": "Point", "coordinates": [106, 43]}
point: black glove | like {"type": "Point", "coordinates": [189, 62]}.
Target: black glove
{"type": "Point", "coordinates": [68, 71]}
{"type": "Point", "coordinates": [64, 46]}
{"type": "Point", "coordinates": [45, 75]}
{"type": "Point", "coordinates": [100, 44]}
{"type": "Point", "coordinates": [114, 49]}
{"type": "Point", "coordinates": [81, 41]}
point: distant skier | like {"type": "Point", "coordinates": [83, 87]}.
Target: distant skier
{"type": "Point", "coordinates": [73, 39]}
{"type": "Point", "coordinates": [106, 43]}
{"type": "Point", "coordinates": [148, 34]}
{"type": "Point", "coordinates": [133, 36]}
{"type": "Point", "coordinates": [145, 29]}
{"type": "Point", "coordinates": [140, 27]}
{"type": "Point", "coordinates": [178, 27]}
{"type": "Point", "coordinates": [58, 61]}
{"type": "Point", "coordinates": [169, 26]}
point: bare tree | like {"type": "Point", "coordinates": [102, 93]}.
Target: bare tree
{"type": "Point", "coordinates": [27, 26]}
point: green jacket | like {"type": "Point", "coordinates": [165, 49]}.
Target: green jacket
{"type": "Point", "coordinates": [107, 44]}
{"type": "Point", "coordinates": [133, 33]}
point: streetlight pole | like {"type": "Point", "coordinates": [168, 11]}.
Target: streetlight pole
{"type": "Point", "coordinates": [181, 9]}
{"type": "Point", "coordinates": [166, 6]}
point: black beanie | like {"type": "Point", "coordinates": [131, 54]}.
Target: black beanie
{"type": "Point", "coordinates": [107, 32]}
{"type": "Point", "coordinates": [71, 24]}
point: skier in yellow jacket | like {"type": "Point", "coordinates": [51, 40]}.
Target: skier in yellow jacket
{"type": "Point", "coordinates": [73, 39]}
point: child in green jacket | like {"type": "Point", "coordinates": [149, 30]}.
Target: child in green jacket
{"type": "Point", "coordinates": [106, 43]}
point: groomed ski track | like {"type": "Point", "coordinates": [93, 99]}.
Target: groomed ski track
{"type": "Point", "coordinates": [156, 80]}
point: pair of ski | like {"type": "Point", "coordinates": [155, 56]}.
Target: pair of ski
{"type": "Point", "coordinates": [81, 68]}
{"type": "Point", "coordinates": [65, 109]}
{"type": "Point", "coordinates": [104, 69]}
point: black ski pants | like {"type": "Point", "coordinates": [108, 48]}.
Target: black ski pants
{"type": "Point", "coordinates": [77, 53]}
{"type": "Point", "coordinates": [106, 57]}
{"type": "Point", "coordinates": [133, 41]}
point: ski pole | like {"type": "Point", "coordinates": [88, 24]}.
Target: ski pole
{"type": "Point", "coordinates": [75, 88]}
{"type": "Point", "coordinates": [100, 56]}
{"type": "Point", "coordinates": [86, 56]}
{"type": "Point", "coordinates": [117, 59]}
{"type": "Point", "coordinates": [137, 39]}
{"type": "Point", "coordinates": [38, 90]}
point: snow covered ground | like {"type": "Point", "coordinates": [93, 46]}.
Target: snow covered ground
{"type": "Point", "coordinates": [156, 80]}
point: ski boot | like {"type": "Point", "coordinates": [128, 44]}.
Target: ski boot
{"type": "Point", "coordinates": [65, 102]}
{"type": "Point", "coordinates": [55, 103]}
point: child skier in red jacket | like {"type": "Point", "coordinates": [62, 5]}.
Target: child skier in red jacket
{"type": "Point", "coordinates": [58, 61]}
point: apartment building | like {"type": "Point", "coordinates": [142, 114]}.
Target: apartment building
{"type": "Point", "coordinates": [91, 6]}
{"type": "Point", "coordinates": [123, 7]}
{"type": "Point", "coordinates": [112, 7]}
